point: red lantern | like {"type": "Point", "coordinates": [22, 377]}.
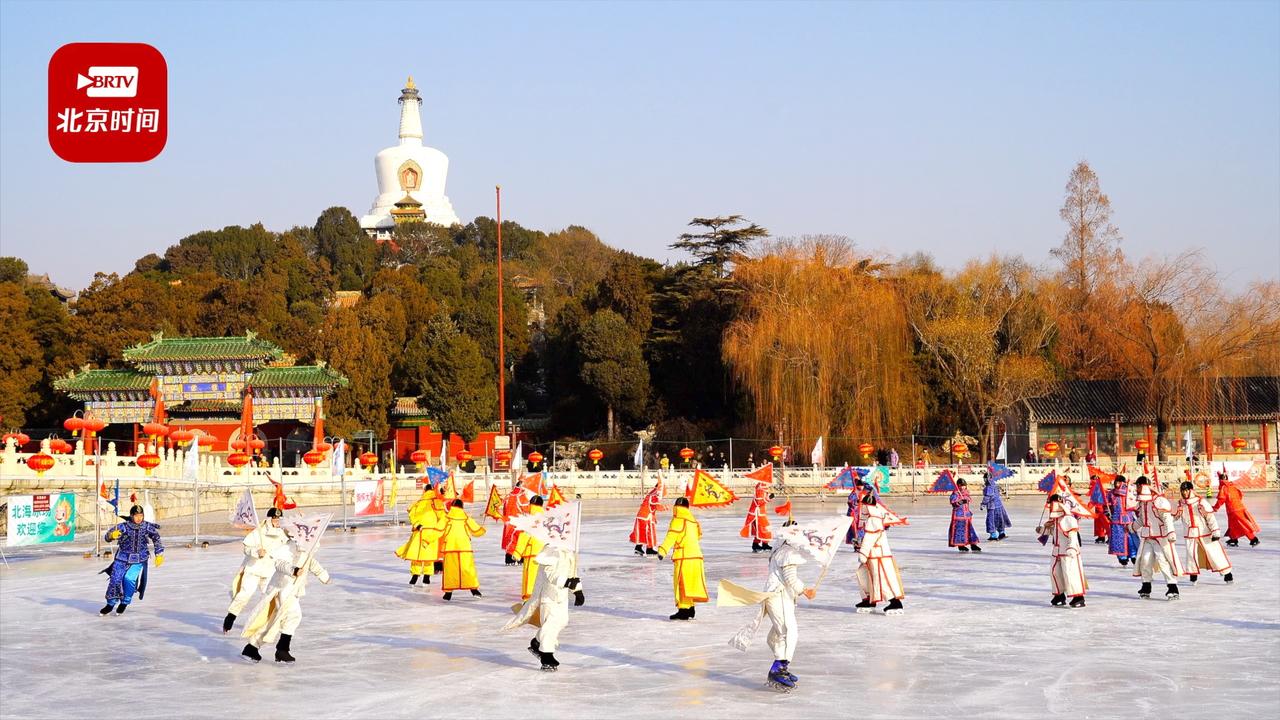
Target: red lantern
{"type": "Point", "coordinates": [18, 437]}
{"type": "Point", "coordinates": [257, 444]}
{"type": "Point", "coordinates": [369, 459]}
{"type": "Point", "coordinates": [503, 455]}
{"type": "Point", "coordinates": [419, 457]}
{"type": "Point", "coordinates": [313, 457]}
{"type": "Point", "coordinates": [206, 440]}
{"type": "Point", "coordinates": [148, 462]}
{"type": "Point", "coordinates": [776, 451]}
{"type": "Point", "coordinates": [1238, 444]}
{"type": "Point", "coordinates": [866, 449]}
{"type": "Point", "coordinates": [182, 436]}
{"type": "Point", "coordinates": [462, 456]}
{"type": "Point", "coordinates": [960, 449]}
{"type": "Point", "coordinates": [155, 429]}
{"type": "Point", "coordinates": [595, 456]}
{"type": "Point", "coordinates": [237, 459]}
{"type": "Point", "coordinates": [93, 425]}
{"type": "Point", "coordinates": [1142, 445]}
{"type": "Point", "coordinates": [74, 424]}
{"type": "Point", "coordinates": [40, 462]}
{"type": "Point", "coordinates": [535, 457]}
{"type": "Point", "coordinates": [1051, 448]}
{"type": "Point", "coordinates": [239, 445]}
{"type": "Point", "coordinates": [687, 454]}
{"type": "Point", "coordinates": [58, 445]}
{"type": "Point", "coordinates": [323, 446]}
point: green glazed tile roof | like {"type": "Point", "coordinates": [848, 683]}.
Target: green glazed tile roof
{"type": "Point", "coordinates": [102, 380]}
{"type": "Point", "coordinates": [297, 376]}
{"type": "Point", "coordinates": [203, 348]}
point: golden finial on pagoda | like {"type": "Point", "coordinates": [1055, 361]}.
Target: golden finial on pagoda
{"type": "Point", "coordinates": [409, 85]}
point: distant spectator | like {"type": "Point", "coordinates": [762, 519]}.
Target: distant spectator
{"type": "Point", "coordinates": [1031, 455]}
{"type": "Point", "coordinates": [1091, 457]}
{"type": "Point", "coordinates": [1074, 455]}
{"type": "Point", "coordinates": [894, 460]}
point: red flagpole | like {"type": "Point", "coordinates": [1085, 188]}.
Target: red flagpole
{"type": "Point", "coordinates": [502, 370]}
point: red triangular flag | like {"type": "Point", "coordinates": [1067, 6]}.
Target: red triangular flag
{"type": "Point", "coordinates": [469, 492]}
{"type": "Point", "coordinates": [762, 474]}
{"type": "Point", "coordinates": [784, 508]}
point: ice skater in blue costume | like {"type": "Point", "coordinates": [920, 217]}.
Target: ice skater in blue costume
{"type": "Point", "coordinates": [129, 570]}
{"type": "Point", "coordinates": [993, 503]}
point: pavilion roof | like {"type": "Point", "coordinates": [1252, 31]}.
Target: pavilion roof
{"type": "Point", "coordinates": [103, 381]}
{"type": "Point", "coordinates": [1215, 399]}
{"type": "Point", "coordinates": [298, 376]}
{"type": "Point", "coordinates": [161, 349]}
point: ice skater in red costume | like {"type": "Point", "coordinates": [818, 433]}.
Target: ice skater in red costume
{"type": "Point", "coordinates": [1239, 522]}
{"type": "Point", "coordinates": [644, 533]}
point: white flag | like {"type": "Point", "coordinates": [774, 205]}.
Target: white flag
{"type": "Point", "coordinates": [191, 468]}
{"type": "Point", "coordinates": [444, 450]}
{"type": "Point", "coordinates": [306, 531]}
{"type": "Point", "coordinates": [1002, 455]}
{"type": "Point", "coordinates": [639, 458]}
{"type": "Point", "coordinates": [339, 459]}
{"type": "Point", "coordinates": [244, 515]}
{"type": "Point", "coordinates": [817, 538]}
{"type": "Point", "coordinates": [518, 463]}
{"type": "Point", "coordinates": [558, 526]}
{"type": "Point", "coordinates": [818, 456]}
{"type": "Point", "coordinates": [1190, 445]}
{"type": "Point", "coordinates": [148, 510]}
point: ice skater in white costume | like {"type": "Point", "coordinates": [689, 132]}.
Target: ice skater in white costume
{"type": "Point", "coordinates": [1204, 544]}
{"type": "Point", "coordinates": [548, 607]}
{"type": "Point", "coordinates": [877, 572]}
{"type": "Point", "coordinates": [1154, 521]}
{"type": "Point", "coordinates": [259, 565]}
{"type": "Point", "coordinates": [281, 613]}
{"type": "Point", "coordinates": [1067, 571]}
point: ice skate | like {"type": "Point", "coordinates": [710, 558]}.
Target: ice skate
{"type": "Point", "coordinates": [413, 580]}
{"type": "Point", "coordinates": [251, 652]}
{"type": "Point", "coordinates": [1100, 540]}
{"type": "Point", "coordinates": [1254, 542]}
{"type": "Point", "coordinates": [1232, 542]}
{"type": "Point", "coordinates": [779, 679]}
{"type": "Point", "coordinates": [1145, 590]}
{"type": "Point", "coordinates": [1124, 562]}
{"type": "Point", "coordinates": [1228, 579]}
{"type": "Point", "coordinates": [426, 579]}
{"type": "Point", "coordinates": [476, 593]}
{"type": "Point", "coordinates": [993, 537]}
{"type": "Point", "coordinates": [693, 611]}
{"type": "Point", "coordinates": [962, 548]}
{"type": "Point", "coordinates": [1077, 601]}
{"type": "Point", "coordinates": [639, 550]}
{"type": "Point", "coordinates": [865, 606]}
{"type": "Point", "coordinates": [533, 648]}
{"type": "Point", "coordinates": [227, 622]}
{"type": "Point", "coordinates": [786, 669]}
{"type": "Point", "coordinates": [106, 609]}
{"type": "Point", "coordinates": [282, 649]}
{"type": "Point", "coordinates": [549, 662]}
{"type": "Point", "coordinates": [974, 547]}
{"type": "Point", "coordinates": [1194, 578]}
{"type": "Point", "coordinates": [682, 614]}
{"type": "Point", "coordinates": [765, 547]}
{"type": "Point", "coordinates": [755, 547]}
{"type": "Point", "coordinates": [1058, 600]}
{"type": "Point", "coordinates": [1172, 592]}
{"type": "Point", "coordinates": [650, 552]}
{"type": "Point", "coordinates": [509, 559]}
{"type": "Point", "coordinates": [120, 608]}
{"type": "Point", "coordinates": [894, 607]}
{"type": "Point", "coordinates": [448, 595]}
{"type": "Point", "coordinates": [1002, 536]}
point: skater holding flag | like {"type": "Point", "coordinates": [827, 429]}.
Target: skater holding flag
{"type": "Point", "coordinates": [128, 572]}
{"type": "Point", "coordinates": [818, 540]}
{"type": "Point", "coordinates": [756, 526]}
{"type": "Point", "coordinates": [1204, 544]}
{"type": "Point", "coordinates": [260, 549]}
{"type": "Point", "coordinates": [683, 542]}
{"type": "Point", "coordinates": [422, 549]}
{"type": "Point", "coordinates": [877, 573]}
{"type": "Point", "coordinates": [280, 613]}
{"type": "Point", "coordinates": [1067, 571]}
{"type": "Point", "coordinates": [459, 559]}
{"type": "Point", "coordinates": [1154, 521]}
{"type": "Point", "coordinates": [644, 531]}
{"type": "Point", "coordinates": [558, 531]}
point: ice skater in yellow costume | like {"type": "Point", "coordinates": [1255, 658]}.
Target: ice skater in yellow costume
{"type": "Point", "coordinates": [682, 543]}
{"type": "Point", "coordinates": [459, 561]}
{"type": "Point", "coordinates": [422, 550]}
{"type": "Point", "coordinates": [527, 548]}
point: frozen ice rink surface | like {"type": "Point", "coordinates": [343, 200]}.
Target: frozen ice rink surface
{"type": "Point", "coordinates": [978, 639]}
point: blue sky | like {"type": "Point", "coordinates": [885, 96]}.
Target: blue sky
{"type": "Point", "coordinates": [948, 128]}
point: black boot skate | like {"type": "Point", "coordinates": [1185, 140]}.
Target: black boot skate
{"type": "Point", "coordinates": [766, 547]}
{"type": "Point", "coordinates": [1172, 592]}
{"type": "Point", "coordinates": [1145, 590]}
{"type": "Point", "coordinates": [1077, 601]}
{"type": "Point", "coordinates": [974, 547]}
{"type": "Point", "coordinates": [476, 593]}
{"type": "Point", "coordinates": [1228, 579]}
{"type": "Point", "coordinates": [1254, 542]}
{"type": "Point", "coordinates": [282, 649]}
{"type": "Point", "coordinates": [251, 652]}
{"type": "Point", "coordinates": [894, 607]}
{"type": "Point", "coordinates": [1124, 561]}
{"type": "Point", "coordinates": [650, 551]}
{"type": "Point", "coordinates": [639, 549]}
{"type": "Point", "coordinates": [106, 609]}
{"type": "Point", "coordinates": [549, 662]}
{"type": "Point", "coordinates": [448, 595]}
{"type": "Point", "coordinates": [413, 580]}
{"type": "Point", "coordinates": [1194, 578]}
{"type": "Point", "coordinates": [227, 622]}
{"type": "Point", "coordinates": [865, 606]}
{"type": "Point", "coordinates": [509, 559]}
{"type": "Point", "coordinates": [120, 608]}
{"type": "Point", "coordinates": [682, 614]}
{"type": "Point", "coordinates": [962, 548]}
{"type": "Point", "coordinates": [1059, 600]}
{"type": "Point", "coordinates": [755, 547]}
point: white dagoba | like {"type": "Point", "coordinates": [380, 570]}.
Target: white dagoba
{"type": "Point", "coordinates": [409, 172]}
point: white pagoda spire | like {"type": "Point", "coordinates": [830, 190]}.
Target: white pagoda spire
{"type": "Point", "coordinates": [410, 115]}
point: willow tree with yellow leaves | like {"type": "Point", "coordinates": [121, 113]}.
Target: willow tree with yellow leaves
{"type": "Point", "coordinates": [821, 343]}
